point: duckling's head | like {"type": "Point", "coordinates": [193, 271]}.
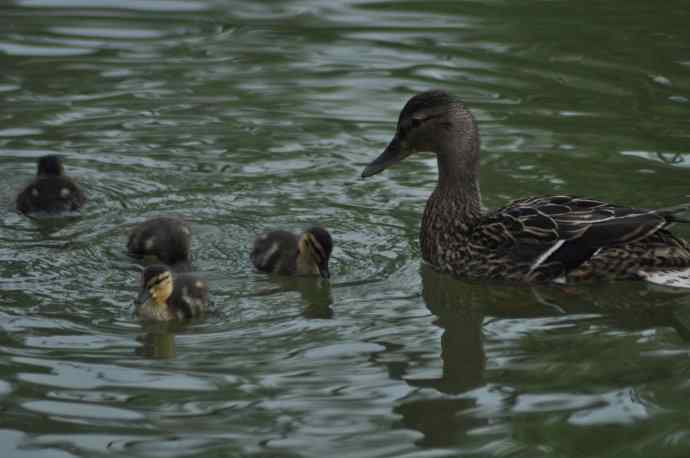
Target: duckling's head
{"type": "Point", "coordinates": [431, 121]}
{"type": "Point", "coordinates": [50, 165]}
{"type": "Point", "coordinates": [315, 247]}
{"type": "Point", "coordinates": [157, 285]}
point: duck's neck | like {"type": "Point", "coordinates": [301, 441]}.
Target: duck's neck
{"type": "Point", "coordinates": [452, 211]}
{"type": "Point", "coordinates": [458, 178]}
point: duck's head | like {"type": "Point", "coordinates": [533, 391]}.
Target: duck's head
{"type": "Point", "coordinates": [156, 285]}
{"type": "Point", "coordinates": [315, 247]}
{"type": "Point", "coordinates": [431, 121]}
{"type": "Point", "coordinates": [50, 165]}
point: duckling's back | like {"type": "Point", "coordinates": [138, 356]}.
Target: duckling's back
{"type": "Point", "coordinates": [166, 238]}
{"type": "Point", "coordinates": [190, 296]}
{"type": "Point", "coordinates": [275, 252]}
{"type": "Point", "coordinates": [50, 194]}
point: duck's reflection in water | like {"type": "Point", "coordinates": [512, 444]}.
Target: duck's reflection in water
{"type": "Point", "coordinates": [461, 315]}
{"type": "Point", "coordinates": [463, 309]}
{"type": "Point", "coordinates": [315, 293]}
{"type": "Point", "coordinates": [462, 349]}
{"type": "Point", "coordinates": [53, 228]}
{"type": "Point", "coordinates": [158, 340]}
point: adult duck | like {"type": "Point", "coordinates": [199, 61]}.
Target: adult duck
{"type": "Point", "coordinates": [534, 239]}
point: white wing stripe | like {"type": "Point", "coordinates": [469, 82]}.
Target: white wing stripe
{"type": "Point", "coordinates": [545, 255]}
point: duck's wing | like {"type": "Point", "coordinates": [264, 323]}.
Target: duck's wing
{"type": "Point", "coordinates": [547, 236]}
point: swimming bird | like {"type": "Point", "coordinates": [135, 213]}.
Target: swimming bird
{"type": "Point", "coordinates": [165, 296]}
{"type": "Point", "coordinates": [534, 239]}
{"type": "Point", "coordinates": [51, 191]}
{"type": "Point", "coordinates": [285, 253]}
{"type": "Point", "coordinates": [165, 240]}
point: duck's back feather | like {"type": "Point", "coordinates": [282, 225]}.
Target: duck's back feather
{"type": "Point", "coordinates": [541, 238]}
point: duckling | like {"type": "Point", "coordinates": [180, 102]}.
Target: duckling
{"type": "Point", "coordinates": [284, 253]}
{"type": "Point", "coordinates": [534, 239]}
{"type": "Point", "coordinates": [51, 191]}
{"type": "Point", "coordinates": [162, 240]}
{"type": "Point", "coordinates": [165, 296]}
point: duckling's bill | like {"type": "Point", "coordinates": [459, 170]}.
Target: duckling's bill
{"type": "Point", "coordinates": [323, 270]}
{"type": "Point", "coordinates": [143, 297]}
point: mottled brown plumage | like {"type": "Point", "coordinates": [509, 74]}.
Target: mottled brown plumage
{"type": "Point", "coordinates": [51, 191]}
{"type": "Point", "coordinates": [534, 239]}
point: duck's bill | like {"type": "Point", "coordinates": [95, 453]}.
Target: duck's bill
{"type": "Point", "coordinates": [393, 154]}
{"type": "Point", "coordinates": [143, 297]}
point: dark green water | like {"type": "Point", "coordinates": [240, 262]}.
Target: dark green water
{"type": "Point", "coordinates": [242, 116]}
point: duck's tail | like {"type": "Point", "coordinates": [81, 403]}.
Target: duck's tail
{"type": "Point", "coordinates": [677, 278]}
{"type": "Point", "coordinates": [672, 213]}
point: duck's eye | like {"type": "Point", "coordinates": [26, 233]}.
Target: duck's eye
{"type": "Point", "coordinates": [404, 129]}
{"type": "Point", "coordinates": [406, 126]}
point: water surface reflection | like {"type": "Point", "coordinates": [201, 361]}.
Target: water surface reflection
{"type": "Point", "coordinates": [465, 310]}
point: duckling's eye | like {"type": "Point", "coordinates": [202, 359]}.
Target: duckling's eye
{"type": "Point", "coordinates": [155, 282]}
